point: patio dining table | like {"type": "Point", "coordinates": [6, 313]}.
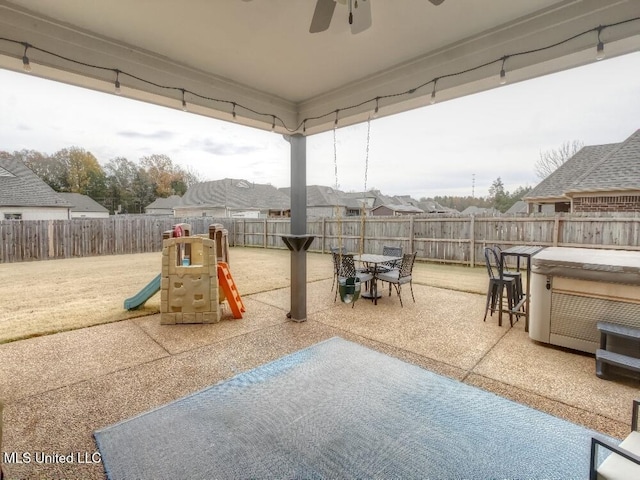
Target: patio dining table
{"type": "Point", "coordinates": [372, 262]}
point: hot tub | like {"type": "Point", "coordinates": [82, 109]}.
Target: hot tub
{"type": "Point", "coordinates": [574, 288]}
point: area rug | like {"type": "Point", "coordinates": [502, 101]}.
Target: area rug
{"type": "Point", "coordinates": [340, 410]}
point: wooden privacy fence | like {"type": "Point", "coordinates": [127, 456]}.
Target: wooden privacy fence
{"type": "Point", "coordinates": [50, 239]}
{"type": "Point", "coordinates": [454, 239]}
{"type": "Point", "coordinates": [451, 239]}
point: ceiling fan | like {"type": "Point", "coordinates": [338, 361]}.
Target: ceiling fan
{"type": "Point", "coordinates": [359, 14]}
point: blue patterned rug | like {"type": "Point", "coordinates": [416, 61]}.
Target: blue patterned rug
{"type": "Point", "coordinates": [340, 410]}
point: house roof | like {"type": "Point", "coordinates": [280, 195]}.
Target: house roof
{"type": "Point", "coordinates": [235, 194]}
{"type": "Point", "coordinates": [618, 169]}
{"type": "Point", "coordinates": [556, 184]}
{"type": "Point", "coordinates": [473, 210]}
{"type": "Point", "coordinates": [20, 187]}
{"type": "Point", "coordinates": [519, 207]}
{"type": "Point", "coordinates": [320, 196]}
{"type": "Point", "coordinates": [82, 203]}
{"type": "Point", "coordinates": [168, 203]}
{"type": "Point", "coordinates": [401, 208]}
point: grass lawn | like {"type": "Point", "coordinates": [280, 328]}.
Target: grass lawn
{"type": "Point", "coordinates": [45, 297]}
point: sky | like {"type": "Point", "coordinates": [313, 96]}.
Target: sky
{"type": "Point", "coordinates": [457, 147]}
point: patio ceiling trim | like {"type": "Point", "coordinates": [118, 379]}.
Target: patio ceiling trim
{"type": "Point", "coordinates": [557, 38]}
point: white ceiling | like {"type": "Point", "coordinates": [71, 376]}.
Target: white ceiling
{"type": "Point", "coordinates": [260, 54]}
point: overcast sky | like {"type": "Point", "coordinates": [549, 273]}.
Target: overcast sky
{"type": "Point", "coordinates": [435, 150]}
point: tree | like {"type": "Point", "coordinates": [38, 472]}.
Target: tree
{"type": "Point", "coordinates": [51, 170]}
{"type": "Point", "coordinates": [83, 173]}
{"type": "Point", "coordinates": [143, 190]}
{"type": "Point", "coordinates": [121, 176]}
{"type": "Point", "coordinates": [550, 160]}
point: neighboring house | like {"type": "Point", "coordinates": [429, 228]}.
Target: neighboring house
{"type": "Point", "coordinates": [600, 178]}
{"type": "Point", "coordinates": [24, 196]}
{"type": "Point", "coordinates": [322, 201]}
{"type": "Point", "coordinates": [481, 211]}
{"type": "Point", "coordinates": [233, 198]}
{"type": "Point", "coordinates": [84, 206]}
{"type": "Point", "coordinates": [396, 210]}
{"type": "Point", "coordinates": [163, 206]}
{"type": "Point", "coordinates": [519, 207]}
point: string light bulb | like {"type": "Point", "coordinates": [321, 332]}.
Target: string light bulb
{"type": "Point", "coordinates": [376, 110]}
{"type": "Point", "coordinates": [273, 123]}
{"type": "Point", "coordinates": [433, 92]}
{"type": "Point", "coordinates": [184, 102]}
{"type": "Point", "coordinates": [600, 46]}
{"type": "Point", "coordinates": [335, 123]}
{"type": "Point", "coordinates": [304, 127]}
{"type": "Point", "coordinates": [503, 73]}
{"type": "Point", "coordinates": [117, 83]}
{"type": "Point", "coordinates": [25, 60]}
{"type": "Point", "coordinates": [233, 113]}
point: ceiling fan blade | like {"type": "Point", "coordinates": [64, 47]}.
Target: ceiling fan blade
{"type": "Point", "coordinates": [322, 16]}
{"type": "Point", "coordinates": [436, 2]}
{"type": "Point", "coordinates": [361, 16]}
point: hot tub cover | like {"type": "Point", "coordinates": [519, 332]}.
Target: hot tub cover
{"type": "Point", "coordinates": [610, 266]}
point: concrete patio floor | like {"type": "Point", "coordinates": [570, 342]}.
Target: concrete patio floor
{"type": "Point", "coordinates": [59, 388]}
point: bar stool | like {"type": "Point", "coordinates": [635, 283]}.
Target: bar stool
{"type": "Point", "coordinates": [510, 273]}
{"type": "Point", "coordinates": [496, 284]}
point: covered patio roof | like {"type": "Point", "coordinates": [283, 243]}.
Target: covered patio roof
{"type": "Point", "coordinates": [259, 59]}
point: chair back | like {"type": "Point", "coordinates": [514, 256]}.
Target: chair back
{"type": "Point", "coordinates": [406, 267]}
{"type": "Point", "coordinates": [392, 251]}
{"type": "Point", "coordinates": [492, 262]}
{"type": "Point", "coordinates": [336, 262]}
{"type": "Point", "coordinates": [348, 267]}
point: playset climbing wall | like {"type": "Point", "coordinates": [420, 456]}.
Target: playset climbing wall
{"type": "Point", "coordinates": [189, 284]}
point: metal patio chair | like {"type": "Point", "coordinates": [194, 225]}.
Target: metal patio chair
{"type": "Point", "coordinates": [391, 252]}
{"type": "Point", "coordinates": [347, 272]}
{"type": "Point", "coordinates": [401, 276]}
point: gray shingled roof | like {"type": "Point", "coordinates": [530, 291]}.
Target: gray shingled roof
{"type": "Point", "coordinates": [236, 194]}
{"type": "Point", "coordinates": [82, 203]}
{"type": "Point", "coordinates": [556, 184]}
{"type": "Point", "coordinates": [20, 187]}
{"type": "Point", "coordinates": [169, 202]}
{"type": "Point", "coordinates": [320, 196]}
{"type": "Point", "coordinates": [401, 208]}
{"type": "Point", "coordinates": [619, 169]}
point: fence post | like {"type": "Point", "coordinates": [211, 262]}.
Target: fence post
{"type": "Point", "coordinates": [324, 231]}
{"type": "Point", "coordinates": [556, 230]}
{"type": "Point", "coordinates": [472, 241]}
{"type": "Point", "coordinates": [264, 239]}
{"type": "Point", "coordinates": [411, 233]}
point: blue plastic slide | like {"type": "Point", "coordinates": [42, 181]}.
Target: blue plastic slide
{"type": "Point", "coordinates": [143, 295]}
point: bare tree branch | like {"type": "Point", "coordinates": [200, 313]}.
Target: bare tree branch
{"type": "Point", "coordinates": [550, 160]}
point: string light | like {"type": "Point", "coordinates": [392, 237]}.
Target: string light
{"type": "Point", "coordinates": [25, 60]}
{"type": "Point", "coordinates": [304, 127]}
{"type": "Point", "coordinates": [184, 102]}
{"type": "Point", "coordinates": [375, 111]}
{"type": "Point", "coordinates": [600, 46]}
{"type": "Point", "coordinates": [273, 123]}
{"type": "Point", "coordinates": [503, 74]}
{"type": "Point", "coordinates": [117, 83]}
{"type": "Point", "coordinates": [599, 55]}
{"type": "Point", "coordinates": [433, 92]}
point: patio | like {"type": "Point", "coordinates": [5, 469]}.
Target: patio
{"type": "Point", "coordinates": [59, 388]}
